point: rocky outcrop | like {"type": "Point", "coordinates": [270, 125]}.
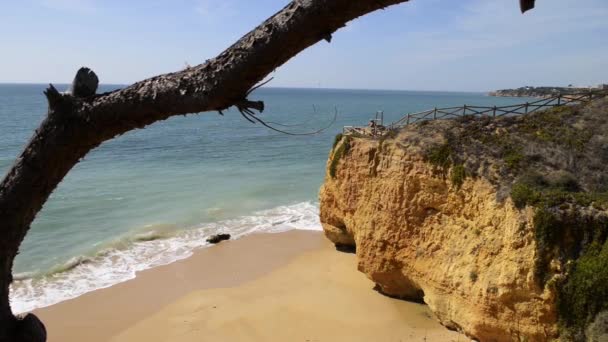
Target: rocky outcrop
{"type": "Point", "coordinates": [432, 219]}
{"type": "Point", "coordinates": [468, 256]}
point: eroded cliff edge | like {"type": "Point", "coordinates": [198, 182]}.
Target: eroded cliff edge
{"type": "Point", "coordinates": [499, 225]}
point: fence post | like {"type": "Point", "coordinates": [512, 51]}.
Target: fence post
{"type": "Point", "coordinates": [435, 114]}
{"type": "Point", "coordinates": [527, 104]}
{"type": "Point", "coordinates": [464, 110]}
{"type": "Point", "coordinates": [408, 119]}
{"type": "Point", "coordinates": [559, 99]}
{"type": "Point", "coordinates": [494, 112]}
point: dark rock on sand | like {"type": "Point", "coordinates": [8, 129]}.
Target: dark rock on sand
{"type": "Point", "coordinates": [217, 238]}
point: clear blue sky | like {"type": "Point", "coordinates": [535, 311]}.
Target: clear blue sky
{"type": "Point", "coordinates": [420, 45]}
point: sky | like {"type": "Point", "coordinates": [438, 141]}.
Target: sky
{"type": "Point", "coordinates": [464, 45]}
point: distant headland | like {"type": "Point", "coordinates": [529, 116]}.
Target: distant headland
{"type": "Point", "coordinates": [528, 91]}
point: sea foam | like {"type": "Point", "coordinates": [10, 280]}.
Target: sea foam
{"type": "Point", "coordinates": [121, 261]}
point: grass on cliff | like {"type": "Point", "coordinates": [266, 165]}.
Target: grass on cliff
{"type": "Point", "coordinates": [517, 144]}
{"type": "Point", "coordinates": [338, 153]}
{"type": "Point", "coordinates": [458, 175]}
{"type": "Point", "coordinates": [440, 156]}
{"type": "Point", "coordinates": [551, 126]}
{"type": "Point", "coordinates": [570, 224]}
{"type": "Point", "coordinates": [567, 234]}
{"type": "Point", "coordinates": [552, 195]}
{"type": "Point", "coordinates": [442, 159]}
{"type": "Point", "coordinates": [585, 293]}
{"type": "Point", "coordinates": [337, 139]}
{"type": "Point", "coordinates": [514, 158]}
{"type": "Point", "coordinates": [556, 162]}
{"type": "Point", "coordinates": [582, 239]}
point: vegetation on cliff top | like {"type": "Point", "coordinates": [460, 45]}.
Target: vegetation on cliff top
{"type": "Point", "coordinates": [555, 161]}
{"type": "Point", "coordinates": [536, 190]}
{"type": "Point", "coordinates": [442, 158]}
{"type": "Point", "coordinates": [552, 126]}
{"type": "Point", "coordinates": [584, 294]}
{"type": "Point", "coordinates": [570, 225]}
{"type": "Point", "coordinates": [570, 220]}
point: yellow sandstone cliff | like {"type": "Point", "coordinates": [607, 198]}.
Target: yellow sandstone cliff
{"type": "Point", "coordinates": [469, 256]}
{"type": "Point", "coordinates": [499, 225]}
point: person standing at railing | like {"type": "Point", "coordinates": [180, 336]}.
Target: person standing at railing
{"type": "Point", "coordinates": [372, 125]}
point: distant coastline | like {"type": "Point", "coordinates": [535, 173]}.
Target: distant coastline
{"type": "Point", "coordinates": [543, 92]}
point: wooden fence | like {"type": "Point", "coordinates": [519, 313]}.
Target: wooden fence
{"type": "Point", "coordinates": [511, 110]}
{"type": "Point", "coordinates": [467, 110]}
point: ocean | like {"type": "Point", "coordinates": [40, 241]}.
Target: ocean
{"type": "Point", "coordinates": [152, 196]}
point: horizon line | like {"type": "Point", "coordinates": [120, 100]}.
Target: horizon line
{"type": "Point", "coordinates": [276, 87]}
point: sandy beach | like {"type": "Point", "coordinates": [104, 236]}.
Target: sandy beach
{"type": "Point", "coordinates": [291, 286]}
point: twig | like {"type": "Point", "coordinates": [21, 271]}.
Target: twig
{"type": "Point", "coordinates": [258, 86]}
{"type": "Point", "coordinates": [250, 115]}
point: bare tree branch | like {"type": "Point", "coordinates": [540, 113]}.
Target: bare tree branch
{"type": "Point", "coordinates": [80, 121]}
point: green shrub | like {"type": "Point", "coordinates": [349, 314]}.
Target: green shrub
{"type": "Point", "coordinates": [551, 126]}
{"type": "Point", "coordinates": [337, 140]}
{"type": "Point", "coordinates": [553, 197]}
{"type": "Point", "coordinates": [582, 239]}
{"type": "Point", "coordinates": [585, 293]}
{"type": "Point", "coordinates": [546, 228]}
{"type": "Point", "coordinates": [514, 158]}
{"type": "Point", "coordinates": [534, 178]}
{"type": "Point", "coordinates": [439, 156]}
{"type": "Point", "coordinates": [565, 181]}
{"type": "Point", "coordinates": [338, 154]}
{"type": "Point", "coordinates": [523, 194]}
{"type": "Point", "coordinates": [458, 175]}
{"type": "Point", "coordinates": [533, 189]}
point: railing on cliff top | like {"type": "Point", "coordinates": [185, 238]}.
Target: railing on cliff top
{"type": "Point", "coordinates": [467, 110]}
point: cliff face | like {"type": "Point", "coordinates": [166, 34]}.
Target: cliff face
{"type": "Point", "coordinates": [470, 258]}
{"type": "Point", "coordinates": [435, 223]}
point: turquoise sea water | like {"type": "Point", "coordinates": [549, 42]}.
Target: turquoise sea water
{"type": "Point", "coordinates": [152, 196]}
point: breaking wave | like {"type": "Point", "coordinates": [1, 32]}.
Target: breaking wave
{"type": "Point", "coordinates": [151, 246]}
